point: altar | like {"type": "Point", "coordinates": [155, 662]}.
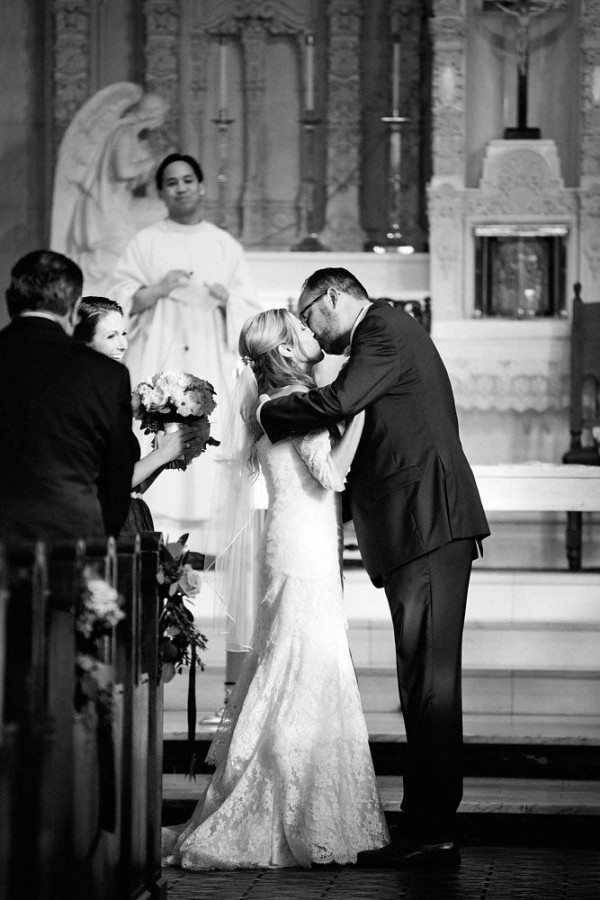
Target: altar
{"type": "Point", "coordinates": [278, 276]}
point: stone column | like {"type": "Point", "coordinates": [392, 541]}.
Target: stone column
{"type": "Point", "coordinates": [162, 57]}
{"type": "Point", "coordinates": [342, 229]}
{"type": "Point", "coordinates": [194, 79]}
{"type": "Point", "coordinates": [253, 37]}
{"type": "Point", "coordinates": [589, 142]}
{"type": "Point", "coordinates": [446, 191]}
{"type": "Point", "coordinates": [72, 54]}
{"type": "Point", "coordinates": [405, 17]}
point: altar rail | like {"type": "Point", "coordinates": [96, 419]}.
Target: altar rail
{"type": "Point", "coordinates": [80, 794]}
{"type": "Point", "coordinates": [537, 487]}
{"type": "Point", "coordinates": [541, 487]}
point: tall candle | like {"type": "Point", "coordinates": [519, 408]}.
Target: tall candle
{"type": "Point", "coordinates": [222, 73]}
{"type": "Point", "coordinates": [310, 71]}
{"type": "Point", "coordinates": [396, 75]}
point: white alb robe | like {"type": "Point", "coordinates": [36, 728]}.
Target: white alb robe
{"type": "Point", "coordinates": [185, 331]}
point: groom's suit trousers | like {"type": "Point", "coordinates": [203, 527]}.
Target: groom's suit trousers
{"type": "Point", "coordinates": [427, 598]}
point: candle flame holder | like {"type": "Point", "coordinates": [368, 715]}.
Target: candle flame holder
{"type": "Point", "coordinates": [395, 241]}
{"type": "Point", "coordinates": [223, 123]}
{"type": "Point", "coordinates": [310, 242]}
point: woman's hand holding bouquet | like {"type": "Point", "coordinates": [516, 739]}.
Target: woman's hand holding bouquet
{"type": "Point", "coordinates": [171, 401]}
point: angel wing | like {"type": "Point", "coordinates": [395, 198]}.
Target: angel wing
{"type": "Point", "coordinates": [80, 151]}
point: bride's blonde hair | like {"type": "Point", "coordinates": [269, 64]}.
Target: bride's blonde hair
{"type": "Point", "coordinates": [260, 339]}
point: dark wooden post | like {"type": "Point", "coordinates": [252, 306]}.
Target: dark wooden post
{"type": "Point", "coordinates": [151, 608]}
{"type": "Point", "coordinates": [98, 772]}
{"type": "Point", "coordinates": [37, 724]}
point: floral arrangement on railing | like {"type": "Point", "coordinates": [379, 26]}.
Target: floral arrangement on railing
{"type": "Point", "coordinates": [99, 611]}
{"type": "Point", "coordinates": [179, 580]}
{"type": "Point", "coordinates": [171, 399]}
{"type": "Point", "coordinates": [180, 641]}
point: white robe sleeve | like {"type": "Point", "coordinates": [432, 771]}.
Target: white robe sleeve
{"type": "Point", "coordinates": [131, 273]}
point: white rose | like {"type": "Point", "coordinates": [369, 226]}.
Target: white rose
{"type": "Point", "coordinates": [190, 581]}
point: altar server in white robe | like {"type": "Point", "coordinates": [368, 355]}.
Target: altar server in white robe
{"type": "Point", "coordinates": [186, 291]}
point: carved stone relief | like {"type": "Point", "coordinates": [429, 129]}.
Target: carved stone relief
{"type": "Point", "coordinates": [449, 34]}
{"type": "Point", "coordinates": [590, 107]}
{"type": "Point", "coordinates": [162, 56]}
{"type": "Point", "coordinates": [590, 230]}
{"type": "Point", "coordinates": [72, 61]}
{"type": "Point", "coordinates": [249, 23]}
{"type": "Point", "coordinates": [589, 142]}
{"type": "Point", "coordinates": [342, 230]}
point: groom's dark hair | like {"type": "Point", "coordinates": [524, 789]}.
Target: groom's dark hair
{"type": "Point", "coordinates": [338, 278]}
{"type": "Point", "coordinates": [44, 281]}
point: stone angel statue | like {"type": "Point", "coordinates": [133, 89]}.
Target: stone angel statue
{"type": "Point", "coordinates": [103, 184]}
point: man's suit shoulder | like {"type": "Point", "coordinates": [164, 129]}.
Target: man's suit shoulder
{"type": "Point", "coordinates": [395, 317]}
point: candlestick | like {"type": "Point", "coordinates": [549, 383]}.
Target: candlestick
{"type": "Point", "coordinates": [310, 242]}
{"type": "Point", "coordinates": [223, 123]}
{"type": "Point", "coordinates": [394, 238]}
{"type": "Point", "coordinates": [310, 71]}
{"type": "Point", "coordinates": [396, 75]}
{"type": "Point", "coordinates": [222, 73]}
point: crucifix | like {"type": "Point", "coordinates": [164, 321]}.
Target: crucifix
{"type": "Point", "coordinates": [523, 11]}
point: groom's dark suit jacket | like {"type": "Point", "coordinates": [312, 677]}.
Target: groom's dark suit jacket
{"type": "Point", "coordinates": [66, 447]}
{"type": "Point", "coordinates": [410, 486]}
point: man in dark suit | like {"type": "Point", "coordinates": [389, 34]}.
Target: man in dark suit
{"type": "Point", "coordinates": [66, 453]}
{"type": "Point", "coordinates": [418, 520]}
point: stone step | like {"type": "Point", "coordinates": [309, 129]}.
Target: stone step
{"type": "Point", "coordinates": [509, 706]}
{"type": "Point", "coordinates": [502, 691]}
{"type": "Point", "coordinates": [522, 619]}
{"type": "Point", "coordinates": [499, 645]}
{"type": "Point", "coordinates": [496, 595]}
{"type": "Point", "coordinates": [512, 796]}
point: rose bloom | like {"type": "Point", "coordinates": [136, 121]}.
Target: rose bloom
{"type": "Point", "coordinates": [190, 581]}
{"type": "Point", "coordinates": [157, 398]}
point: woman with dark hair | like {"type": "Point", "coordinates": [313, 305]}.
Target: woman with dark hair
{"type": "Point", "coordinates": [102, 327]}
{"type": "Point", "coordinates": [294, 782]}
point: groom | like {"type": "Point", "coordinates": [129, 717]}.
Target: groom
{"type": "Point", "coordinates": [67, 449]}
{"type": "Point", "coordinates": [418, 520]}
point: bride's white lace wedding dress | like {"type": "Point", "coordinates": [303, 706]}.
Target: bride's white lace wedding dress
{"type": "Point", "coordinates": [294, 781]}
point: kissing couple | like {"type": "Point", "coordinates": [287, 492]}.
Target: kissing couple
{"type": "Point", "coordinates": [294, 783]}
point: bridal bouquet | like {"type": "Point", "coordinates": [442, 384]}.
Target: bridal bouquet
{"type": "Point", "coordinates": [170, 399]}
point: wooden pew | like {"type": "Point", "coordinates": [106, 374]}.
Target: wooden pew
{"type": "Point", "coordinates": [37, 758]}
{"type": "Point", "coordinates": [127, 855]}
{"type": "Point", "coordinates": [80, 797]}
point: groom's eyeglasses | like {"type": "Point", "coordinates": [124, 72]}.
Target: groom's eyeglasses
{"type": "Point", "coordinates": [303, 316]}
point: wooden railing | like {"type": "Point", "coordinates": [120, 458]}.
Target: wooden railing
{"type": "Point", "coordinates": [80, 790]}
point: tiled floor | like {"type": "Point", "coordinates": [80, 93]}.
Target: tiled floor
{"type": "Point", "coordinates": [486, 873]}
{"type": "Point", "coordinates": [518, 864]}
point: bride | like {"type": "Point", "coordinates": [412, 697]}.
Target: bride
{"type": "Point", "coordinates": [294, 782]}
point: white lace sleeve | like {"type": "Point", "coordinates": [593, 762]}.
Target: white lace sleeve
{"type": "Point", "coordinates": [315, 451]}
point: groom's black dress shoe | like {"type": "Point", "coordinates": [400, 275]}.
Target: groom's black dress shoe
{"type": "Point", "coordinates": [412, 856]}
{"type": "Point", "coordinates": [431, 856]}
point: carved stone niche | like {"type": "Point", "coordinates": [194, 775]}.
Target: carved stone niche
{"type": "Point", "coordinates": [522, 198]}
